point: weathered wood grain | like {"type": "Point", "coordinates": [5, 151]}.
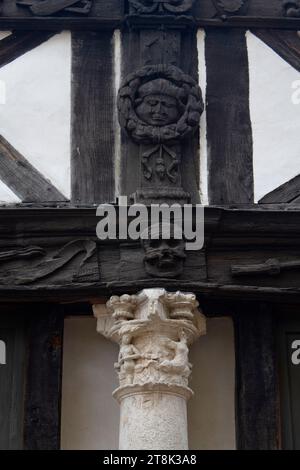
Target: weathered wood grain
{"type": "Point", "coordinates": [26, 182]}
{"type": "Point", "coordinates": [92, 170]}
{"type": "Point", "coordinates": [229, 132]}
{"type": "Point", "coordinates": [256, 375]}
{"type": "Point", "coordinates": [20, 42]}
{"type": "Point", "coordinates": [43, 390]}
{"type": "Point", "coordinates": [13, 333]}
{"type": "Point", "coordinates": [285, 43]}
{"type": "Point", "coordinates": [286, 193]}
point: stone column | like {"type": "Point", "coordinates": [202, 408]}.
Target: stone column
{"type": "Point", "coordinates": [154, 330]}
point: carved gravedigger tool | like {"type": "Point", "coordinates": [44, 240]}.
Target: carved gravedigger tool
{"type": "Point", "coordinates": [272, 267]}
{"type": "Point", "coordinates": [49, 7]}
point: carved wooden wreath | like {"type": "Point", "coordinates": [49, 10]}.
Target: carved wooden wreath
{"type": "Point", "coordinates": [173, 82]}
{"type": "Point", "coordinates": [152, 6]}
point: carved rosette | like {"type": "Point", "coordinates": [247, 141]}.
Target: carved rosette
{"type": "Point", "coordinates": [154, 330]}
{"type": "Point", "coordinates": [160, 6]}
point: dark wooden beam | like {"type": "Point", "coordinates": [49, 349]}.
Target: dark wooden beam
{"type": "Point", "coordinates": [43, 390]}
{"type": "Point", "coordinates": [13, 333]}
{"type": "Point", "coordinates": [26, 182]}
{"type": "Point", "coordinates": [257, 412]}
{"type": "Point", "coordinates": [20, 42]}
{"type": "Point", "coordinates": [286, 193]}
{"type": "Point", "coordinates": [285, 43]}
{"type": "Point", "coordinates": [93, 125]}
{"type": "Point", "coordinates": [229, 132]}
{"type": "Point", "coordinates": [232, 237]}
{"type": "Point", "coordinates": [109, 23]}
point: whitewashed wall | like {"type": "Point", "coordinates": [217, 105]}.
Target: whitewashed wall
{"type": "Point", "coordinates": [90, 416]}
{"type": "Point", "coordinates": [275, 118]}
{"type": "Point", "coordinates": [35, 115]}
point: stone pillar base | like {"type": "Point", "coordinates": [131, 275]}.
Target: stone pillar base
{"type": "Point", "coordinates": [153, 417]}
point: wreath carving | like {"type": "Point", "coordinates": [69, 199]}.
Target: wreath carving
{"type": "Point", "coordinates": [159, 104]}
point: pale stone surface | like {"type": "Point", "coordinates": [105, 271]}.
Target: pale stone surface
{"type": "Point", "coordinates": [154, 330]}
{"type": "Point", "coordinates": [165, 424]}
{"type": "Point", "coordinates": [90, 415]}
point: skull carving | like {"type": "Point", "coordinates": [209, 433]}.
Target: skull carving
{"type": "Point", "coordinates": [164, 257]}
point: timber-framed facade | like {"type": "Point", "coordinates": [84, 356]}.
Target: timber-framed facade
{"type": "Point", "coordinates": [122, 53]}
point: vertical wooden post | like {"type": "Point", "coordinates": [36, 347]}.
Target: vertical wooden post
{"type": "Point", "coordinates": [92, 173]}
{"type": "Point", "coordinates": [256, 374]}
{"type": "Point", "coordinates": [229, 132]}
{"type": "Point", "coordinates": [43, 391]}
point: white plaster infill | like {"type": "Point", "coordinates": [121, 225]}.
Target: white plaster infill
{"type": "Point", "coordinates": [154, 330]}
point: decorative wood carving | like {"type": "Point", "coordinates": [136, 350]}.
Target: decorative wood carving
{"type": "Point", "coordinates": [27, 252]}
{"type": "Point", "coordinates": [291, 8]}
{"type": "Point", "coordinates": [231, 7]}
{"type": "Point", "coordinates": [163, 258]}
{"type": "Point", "coordinates": [271, 267]}
{"type": "Point", "coordinates": [26, 274]}
{"type": "Point", "coordinates": [51, 7]}
{"type": "Point", "coordinates": [160, 106]}
{"type": "Point", "coordinates": [160, 6]}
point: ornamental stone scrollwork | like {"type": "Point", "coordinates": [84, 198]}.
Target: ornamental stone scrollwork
{"type": "Point", "coordinates": [160, 6]}
{"type": "Point", "coordinates": [154, 330]}
{"type": "Point", "coordinates": [160, 106]}
{"type": "Point", "coordinates": [291, 8]}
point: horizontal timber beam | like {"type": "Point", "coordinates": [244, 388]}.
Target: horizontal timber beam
{"type": "Point", "coordinates": [80, 269]}
{"type": "Point", "coordinates": [97, 24]}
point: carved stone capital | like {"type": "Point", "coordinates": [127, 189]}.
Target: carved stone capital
{"type": "Point", "coordinates": [154, 330]}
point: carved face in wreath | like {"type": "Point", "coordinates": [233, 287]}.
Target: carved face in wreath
{"type": "Point", "coordinates": [164, 258]}
{"type": "Point", "coordinates": [158, 104]}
